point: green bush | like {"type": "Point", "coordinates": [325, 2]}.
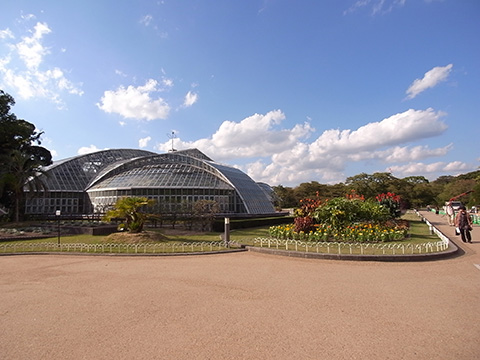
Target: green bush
{"type": "Point", "coordinates": [342, 212]}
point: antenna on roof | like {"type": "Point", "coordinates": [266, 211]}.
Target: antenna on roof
{"type": "Point", "coordinates": [172, 136]}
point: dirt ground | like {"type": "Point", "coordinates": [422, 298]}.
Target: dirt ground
{"type": "Point", "coordinates": [239, 306]}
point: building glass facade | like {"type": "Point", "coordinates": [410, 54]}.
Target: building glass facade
{"type": "Point", "coordinates": [92, 183]}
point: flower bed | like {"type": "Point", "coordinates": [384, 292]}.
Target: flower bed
{"type": "Point", "coordinates": [365, 232]}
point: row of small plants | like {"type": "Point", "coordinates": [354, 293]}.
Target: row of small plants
{"type": "Point", "coordinates": [79, 223]}
{"type": "Point", "coordinates": [348, 219]}
{"type": "Point", "coordinates": [21, 231]}
{"type": "Point", "coordinates": [353, 233]}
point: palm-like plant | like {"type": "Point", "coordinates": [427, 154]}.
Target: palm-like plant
{"type": "Point", "coordinates": [128, 209]}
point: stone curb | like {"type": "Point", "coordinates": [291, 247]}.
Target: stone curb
{"type": "Point", "coordinates": [124, 254]}
{"type": "Point", "coordinates": [387, 258]}
{"type": "Point", "coordinates": [20, 237]}
{"type": "Point", "coordinates": [453, 250]}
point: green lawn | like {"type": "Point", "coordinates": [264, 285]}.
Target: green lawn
{"type": "Point", "coordinates": [419, 231]}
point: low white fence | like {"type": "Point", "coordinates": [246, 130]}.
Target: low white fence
{"type": "Point", "coordinates": [342, 248]}
{"type": "Point", "coordinates": [145, 248]}
{"type": "Point", "coordinates": [434, 230]}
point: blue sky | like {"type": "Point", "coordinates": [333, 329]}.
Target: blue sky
{"type": "Point", "coordinates": [288, 91]}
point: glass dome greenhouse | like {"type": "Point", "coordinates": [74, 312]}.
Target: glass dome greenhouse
{"type": "Point", "coordinates": [92, 183]}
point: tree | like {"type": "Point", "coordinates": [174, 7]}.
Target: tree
{"type": "Point", "coordinates": [21, 157]}
{"type": "Point", "coordinates": [205, 211]}
{"type": "Point", "coordinates": [416, 180]}
{"type": "Point", "coordinates": [362, 184]}
{"type": "Point", "coordinates": [422, 194]}
{"type": "Point", "coordinates": [308, 190]}
{"type": "Point", "coordinates": [284, 197]}
{"type": "Point", "coordinates": [475, 196]}
{"type": "Point", "coordinates": [129, 210]}
{"type": "Point", "coordinates": [455, 188]}
{"type": "Point", "coordinates": [23, 171]}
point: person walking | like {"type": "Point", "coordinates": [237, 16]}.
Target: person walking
{"type": "Point", "coordinates": [463, 222]}
{"type": "Point", "coordinates": [450, 214]}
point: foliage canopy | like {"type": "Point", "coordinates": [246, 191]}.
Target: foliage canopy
{"type": "Point", "coordinates": [21, 157]}
{"type": "Point", "coordinates": [415, 191]}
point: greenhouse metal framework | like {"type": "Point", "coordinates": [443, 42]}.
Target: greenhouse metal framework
{"type": "Point", "coordinates": [92, 183]}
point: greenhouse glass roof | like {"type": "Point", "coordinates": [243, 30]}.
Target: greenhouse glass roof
{"type": "Point", "coordinates": [74, 174]}
{"type": "Point", "coordinates": [125, 169]}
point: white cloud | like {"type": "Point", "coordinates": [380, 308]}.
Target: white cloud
{"type": "Point", "coordinates": [454, 167]}
{"type": "Point", "coordinates": [357, 5]}
{"type": "Point", "coordinates": [27, 17]}
{"type": "Point", "coordinates": [31, 49]}
{"type": "Point", "coordinates": [406, 154]}
{"type": "Point", "coordinates": [142, 143]}
{"type": "Point", "coordinates": [88, 149]}
{"type": "Point", "coordinates": [135, 102]}
{"type": "Point", "coordinates": [397, 129]}
{"type": "Point", "coordinates": [255, 136]}
{"type": "Point", "coordinates": [401, 154]}
{"type": "Point", "coordinates": [6, 34]}
{"type": "Point", "coordinates": [429, 80]}
{"type": "Point", "coordinates": [28, 76]}
{"type": "Point", "coordinates": [284, 156]}
{"type": "Point", "coordinates": [120, 73]}
{"type": "Point", "coordinates": [167, 82]}
{"type": "Point", "coordinates": [146, 20]}
{"type": "Point", "coordinates": [376, 6]}
{"type": "Point", "coordinates": [190, 99]}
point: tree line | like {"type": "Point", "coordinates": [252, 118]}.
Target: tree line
{"type": "Point", "coordinates": [414, 191]}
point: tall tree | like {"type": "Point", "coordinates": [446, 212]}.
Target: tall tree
{"type": "Point", "coordinates": [205, 211]}
{"type": "Point", "coordinates": [284, 197]}
{"type": "Point", "coordinates": [21, 157]}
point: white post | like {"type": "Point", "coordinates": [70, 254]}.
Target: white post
{"type": "Point", "coordinates": [57, 214]}
{"type": "Point", "coordinates": [227, 232]}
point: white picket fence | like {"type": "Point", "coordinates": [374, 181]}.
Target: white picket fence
{"type": "Point", "coordinates": [145, 248]}
{"type": "Point", "coordinates": [342, 248]}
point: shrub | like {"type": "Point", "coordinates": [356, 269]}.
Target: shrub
{"type": "Point", "coordinates": [129, 209]}
{"type": "Point", "coordinates": [341, 212]}
{"type": "Point", "coordinates": [391, 202]}
{"type": "Point", "coordinates": [362, 232]}
{"type": "Point", "coordinates": [305, 224]}
{"type": "Point", "coordinates": [351, 219]}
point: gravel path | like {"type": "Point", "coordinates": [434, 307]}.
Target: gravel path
{"type": "Point", "coordinates": [239, 306]}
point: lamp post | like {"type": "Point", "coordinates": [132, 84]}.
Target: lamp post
{"type": "Point", "coordinates": [227, 232]}
{"type": "Point", "coordinates": [57, 214]}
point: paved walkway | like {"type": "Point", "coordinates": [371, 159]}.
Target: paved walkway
{"type": "Point", "coordinates": [441, 223]}
{"type": "Point", "coordinates": [240, 306]}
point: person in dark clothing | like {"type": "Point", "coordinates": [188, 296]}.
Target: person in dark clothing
{"type": "Point", "coordinates": [463, 222]}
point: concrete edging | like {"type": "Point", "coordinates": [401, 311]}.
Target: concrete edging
{"type": "Point", "coordinates": [453, 249]}
{"type": "Point", "coordinates": [122, 254]}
